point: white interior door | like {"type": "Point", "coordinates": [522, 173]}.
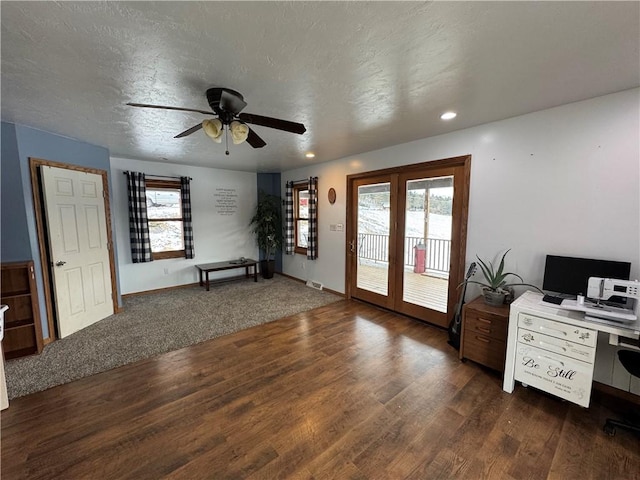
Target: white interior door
{"type": "Point", "coordinates": [79, 250]}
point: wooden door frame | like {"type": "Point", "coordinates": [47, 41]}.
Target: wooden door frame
{"type": "Point", "coordinates": [43, 239]}
{"type": "Point", "coordinates": [461, 202]}
{"type": "Point", "coordinates": [352, 196]}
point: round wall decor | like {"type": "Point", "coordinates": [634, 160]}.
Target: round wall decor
{"type": "Point", "coordinates": [332, 195]}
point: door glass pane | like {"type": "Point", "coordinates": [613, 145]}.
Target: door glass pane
{"type": "Point", "coordinates": [374, 202]}
{"type": "Point", "coordinates": [427, 242]}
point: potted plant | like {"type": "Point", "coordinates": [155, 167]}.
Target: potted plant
{"type": "Point", "coordinates": [495, 287]}
{"type": "Point", "coordinates": [267, 226]}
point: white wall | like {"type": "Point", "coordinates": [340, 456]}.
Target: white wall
{"type": "Point", "coordinates": [560, 181]}
{"type": "Point", "coordinates": [216, 237]}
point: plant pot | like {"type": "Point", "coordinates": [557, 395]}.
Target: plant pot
{"type": "Point", "coordinates": [492, 297]}
{"type": "Point", "coordinates": [267, 267]}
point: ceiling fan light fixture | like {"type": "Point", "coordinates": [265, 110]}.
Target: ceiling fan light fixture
{"type": "Point", "coordinates": [227, 104]}
{"type": "Point", "coordinates": [213, 129]}
{"type": "Point", "coordinates": [239, 132]}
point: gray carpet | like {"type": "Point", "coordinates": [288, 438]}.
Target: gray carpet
{"type": "Point", "coordinates": [161, 322]}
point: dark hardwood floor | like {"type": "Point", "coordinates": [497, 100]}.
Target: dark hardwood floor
{"type": "Point", "coordinates": [344, 391]}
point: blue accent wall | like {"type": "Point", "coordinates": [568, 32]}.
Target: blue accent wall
{"type": "Point", "coordinates": [270, 183]}
{"type": "Point", "coordinates": [14, 234]}
{"type": "Point", "coordinates": [19, 229]}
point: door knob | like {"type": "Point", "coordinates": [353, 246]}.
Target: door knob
{"type": "Point", "coordinates": [59, 263]}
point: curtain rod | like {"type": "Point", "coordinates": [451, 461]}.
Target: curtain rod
{"type": "Point", "coordinates": [158, 176]}
{"type": "Point", "coordinates": [300, 181]}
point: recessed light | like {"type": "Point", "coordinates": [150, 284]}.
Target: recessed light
{"type": "Point", "coordinates": [310, 155]}
{"type": "Point", "coordinates": [448, 115]}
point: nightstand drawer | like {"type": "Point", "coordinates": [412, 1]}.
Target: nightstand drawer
{"type": "Point", "coordinates": [484, 333]}
{"type": "Point", "coordinates": [486, 324]}
{"type": "Point", "coordinates": [485, 350]}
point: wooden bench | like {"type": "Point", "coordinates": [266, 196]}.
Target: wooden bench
{"type": "Point", "coordinates": [206, 268]}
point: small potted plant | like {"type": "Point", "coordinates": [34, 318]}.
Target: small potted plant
{"type": "Point", "coordinates": [495, 287]}
{"type": "Point", "coordinates": [267, 226]}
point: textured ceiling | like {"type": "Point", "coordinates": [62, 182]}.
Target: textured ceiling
{"type": "Point", "coordinates": [359, 75]}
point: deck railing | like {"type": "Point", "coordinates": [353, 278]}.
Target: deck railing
{"type": "Point", "coordinates": [437, 251]}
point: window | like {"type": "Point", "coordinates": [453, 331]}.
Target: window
{"type": "Point", "coordinates": [301, 217]}
{"type": "Point", "coordinates": [166, 223]}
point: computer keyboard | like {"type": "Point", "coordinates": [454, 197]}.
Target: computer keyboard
{"type": "Point", "coordinates": [552, 299]}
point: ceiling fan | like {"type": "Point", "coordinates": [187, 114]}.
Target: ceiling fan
{"type": "Point", "coordinates": [227, 105]}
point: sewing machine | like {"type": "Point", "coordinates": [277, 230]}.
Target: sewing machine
{"type": "Point", "coordinates": [602, 289]}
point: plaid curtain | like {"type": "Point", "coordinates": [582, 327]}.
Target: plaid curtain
{"type": "Point", "coordinates": [187, 224]}
{"type": "Point", "coordinates": [138, 224]}
{"type": "Point", "coordinates": [289, 232]}
{"type": "Point", "coordinates": [312, 241]}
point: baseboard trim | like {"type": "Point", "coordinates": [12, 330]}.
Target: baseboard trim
{"type": "Point", "coordinates": [155, 290]}
{"type": "Point", "coordinates": [186, 285]}
{"type": "Point", "coordinates": [325, 289]}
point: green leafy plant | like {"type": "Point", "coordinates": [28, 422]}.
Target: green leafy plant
{"type": "Point", "coordinates": [266, 224]}
{"type": "Point", "coordinates": [496, 279]}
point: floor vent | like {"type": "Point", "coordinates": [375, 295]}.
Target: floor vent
{"type": "Point", "coordinates": [316, 285]}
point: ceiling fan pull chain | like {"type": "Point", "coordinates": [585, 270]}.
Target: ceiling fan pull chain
{"type": "Point", "coordinates": [226, 139]}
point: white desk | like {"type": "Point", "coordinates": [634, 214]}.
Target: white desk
{"type": "Point", "coordinates": [554, 349]}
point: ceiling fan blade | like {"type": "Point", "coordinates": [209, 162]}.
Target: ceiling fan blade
{"type": "Point", "coordinates": [231, 103]}
{"type": "Point", "coordinates": [254, 140]}
{"type": "Point", "coordinates": [162, 107]}
{"type": "Point", "coordinates": [189, 131]}
{"type": "Point", "coordinates": [276, 123]}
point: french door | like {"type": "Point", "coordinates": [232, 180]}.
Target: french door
{"type": "Point", "coordinates": [406, 231]}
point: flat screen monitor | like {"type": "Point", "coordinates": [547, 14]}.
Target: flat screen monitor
{"type": "Point", "coordinates": [570, 275]}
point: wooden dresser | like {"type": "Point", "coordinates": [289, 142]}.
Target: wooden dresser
{"type": "Point", "coordinates": [484, 333]}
